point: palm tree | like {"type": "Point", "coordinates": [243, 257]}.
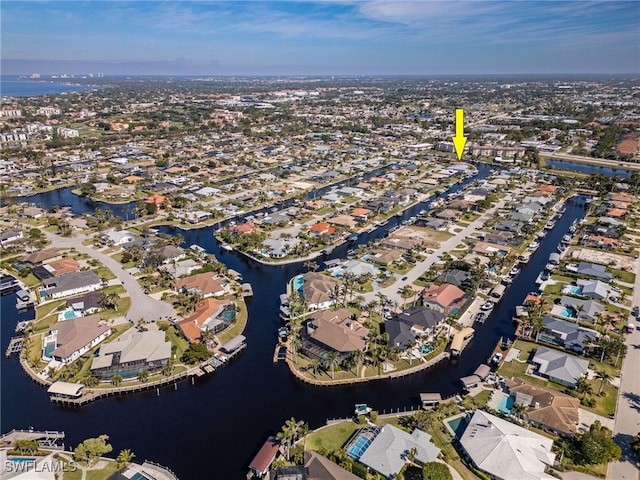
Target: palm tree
{"type": "Point", "coordinates": [332, 359]}
{"type": "Point", "coordinates": [117, 379]}
{"type": "Point", "coordinates": [358, 357]}
{"type": "Point", "coordinates": [604, 376]}
{"type": "Point", "coordinates": [537, 324]}
{"type": "Point", "coordinates": [109, 300]}
{"type": "Point", "coordinates": [143, 376]}
{"type": "Point", "coordinates": [583, 387]}
{"type": "Point", "coordinates": [311, 266]}
{"type": "Point", "coordinates": [285, 439]}
{"type": "Point", "coordinates": [124, 457]}
{"type": "Point", "coordinates": [315, 366]}
{"type": "Point", "coordinates": [518, 409]}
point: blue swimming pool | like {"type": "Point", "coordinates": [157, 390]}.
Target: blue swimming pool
{"type": "Point", "coordinates": [297, 283]}
{"type": "Point", "coordinates": [140, 476]}
{"type": "Point", "coordinates": [48, 348]}
{"type": "Point", "coordinates": [359, 447]}
{"type": "Point", "coordinates": [568, 312]}
{"type": "Point", "coordinates": [69, 315]}
{"type": "Point", "coordinates": [575, 290]}
{"type": "Point", "coordinates": [458, 425]}
{"type": "Point", "coordinates": [505, 404]}
{"type": "Point", "coordinates": [426, 349]}
{"type": "Point", "coordinates": [22, 459]}
{"type": "Point", "coordinates": [228, 315]}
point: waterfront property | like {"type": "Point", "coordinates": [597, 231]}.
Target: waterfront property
{"type": "Point", "coordinates": [131, 354]}
{"type": "Point", "coordinates": [318, 290]}
{"type": "Point", "coordinates": [560, 367]}
{"type": "Point", "coordinates": [413, 323]}
{"type": "Point", "coordinates": [261, 463]}
{"type": "Point", "coordinates": [206, 284]}
{"type": "Point", "coordinates": [545, 407]}
{"type": "Point", "coordinates": [334, 330]}
{"type": "Point", "coordinates": [445, 298]}
{"type": "Point", "coordinates": [70, 284]}
{"type": "Point", "coordinates": [504, 450]}
{"type": "Point", "coordinates": [70, 339]}
{"type": "Point", "coordinates": [385, 449]}
{"type": "Point", "coordinates": [566, 334]}
{"type": "Point", "coordinates": [210, 314]}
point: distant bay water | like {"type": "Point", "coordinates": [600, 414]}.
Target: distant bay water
{"type": "Point", "coordinates": [14, 86]}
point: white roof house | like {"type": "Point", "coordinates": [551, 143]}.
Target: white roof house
{"type": "Point", "coordinates": [387, 454]}
{"type": "Point", "coordinates": [505, 450]}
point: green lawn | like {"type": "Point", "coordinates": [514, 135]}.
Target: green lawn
{"type": "Point", "coordinates": [332, 437]}
{"type": "Point", "coordinates": [624, 276]}
{"type": "Point", "coordinates": [175, 337]}
{"type": "Point", "coordinates": [104, 273]}
{"type": "Point", "coordinates": [238, 325]}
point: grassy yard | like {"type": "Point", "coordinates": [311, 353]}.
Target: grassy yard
{"type": "Point", "coordinates": [624, 276]}
{"type": "Point", "coordinates": [104, 273]}
{"type": "Point", "coordinates": [173, 335]}
{"type": "Point", "coordinates": [238, 325]}
{"type": "Point", "coordinates": [332, 437]}
{"type": "Point", "coordinates": [605, 405]}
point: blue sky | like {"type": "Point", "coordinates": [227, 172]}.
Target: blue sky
{"type": "Point", "coordinates": [332, 37]}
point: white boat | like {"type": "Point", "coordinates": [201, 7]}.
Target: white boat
{"type": "Point", "coordinates": [226, 247]}
{"type": "Point", "coordinates": [362, 409]}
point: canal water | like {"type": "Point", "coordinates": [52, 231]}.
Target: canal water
{"type": "Point", "coordinates": [589, 169]}
{"type": "Point", "coordinates": [213, 428]}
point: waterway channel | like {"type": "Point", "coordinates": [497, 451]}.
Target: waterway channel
{"type": "Point", "coordinates": [213, 428]}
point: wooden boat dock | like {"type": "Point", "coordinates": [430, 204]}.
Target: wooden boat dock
{"type": "Point", "coordinates": [15, 346]}
{"type": "Point", "coordinates": [46, 439]}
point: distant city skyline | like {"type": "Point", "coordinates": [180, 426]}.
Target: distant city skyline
{"type": "Point", "coordinates": [320, 38]}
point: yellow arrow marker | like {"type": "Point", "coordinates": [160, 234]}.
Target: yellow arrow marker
{"type": "Point", "coordinates": [459, 141]}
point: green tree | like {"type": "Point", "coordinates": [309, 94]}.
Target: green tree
{"type": "Point", "coordinates": [597, 447]}
{"type": "Point", "coordinates": [92, 448]}
{"type": "Point", "coordinates": [116, 380]}
{"type": "Point", "coordinates": [604, 377]}
{"type": "Point", "coordinates": [195, 353]}
{"type": "Point", "coordinates": [436, 471]}
{"type": "Point", "coordinates": [124, 457]}
{"type": "Point", "coordinates": [87, 189]}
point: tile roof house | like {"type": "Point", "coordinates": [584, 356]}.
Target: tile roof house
{"type": "Point", "coordinates": [401, 243]}
{"type": "Point", "coordinates": [442, 298]}
{"type": "Point", "coordinates": [546, 407]}
{"type": "Point", "coordinates": [208, 315]}
{"type": "Point", "coordinates": [506, 451]}
{"type": "Point", "coordinates": [318, 290]}
{"type": "Point", "coordinates": [335, 329]}
{"type": "Point", "coordinates": [170, 253]}
{"type": "Point", "coordinates": [560, 367]}
{"type": "Point", "coordinates": [62, 266]}
{"type": "Point", "coordinates": [206, 284]}
{"type": "Point", "coordinates": [385, 257]}
{"type": "Point", "coordinates": [73, 338]}
{"type": "Point", "coordinates": [387, 453]}
{"type": "Point", "coordinates": [132, 353]}
{"type": "Point", "coordinates": [86, 304]}
{"type": "Point", "coordinates": [322, 228]}
{"type": "Point", "coordinates": [48, 254]}
{"type": "Point", "coordinates": [406, 327]}
{"type": "Point", "coordinates": [321, 468]}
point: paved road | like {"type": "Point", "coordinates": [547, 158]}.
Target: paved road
{"type": "Point", "coordinates": [392, 291]}
{"type": "Point", "coordinates": [627, 422]}
{"type": "Point", "coordinates": [142, 305]}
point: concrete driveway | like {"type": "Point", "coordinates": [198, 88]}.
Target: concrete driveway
{"type": "Point", "coordinates": [142, 305]}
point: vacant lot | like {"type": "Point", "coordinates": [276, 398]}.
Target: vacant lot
{"type": "Point", "coordinates": [620, 262]}
{"type": "Point", "coordinates": [431, 238]}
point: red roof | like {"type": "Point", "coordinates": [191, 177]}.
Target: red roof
{"type": "Point", "coordinates": [264, 458]}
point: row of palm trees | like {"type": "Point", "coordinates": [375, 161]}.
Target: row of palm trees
{"type": "Point", "coordinates": [291, 432]}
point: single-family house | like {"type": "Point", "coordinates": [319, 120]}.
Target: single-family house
{"type": "Point", "coordinates": [131, 354]}
{"type": "Point", "coordinates": [169, 253]}
{"type": "Point", "coordinates": [560, 367]}
{"type": "Point", "coordinates": [335, 330]}
{"type": "Point", "coordinates": [318, 290]}
{"type": "Point", "coordinates": [584, 310]}
{"type": "Point", "coordinates": [70, 284]}
{"type": "Point", "coordinates": [595, 289]}
{"type": "Point", "coordinates": [41, 256]}
{"type": "Point", "coordinates": [594, 270]}
{"type": "Point", "coordinates": [566, 334]}
{"type": "Point", "coordinates": [454, 277]}
{"type": "Point", "coordinates": [210, 314]}
{"type": "Point", "coordinates": [322, 229]}
{"type": "Point", "coordinates": [206, 284]}
{"type": "Point", "coordinates": [546, 407]}
{"type": "Point", "coordinates": [68, 340]}
{"type": "Point", "coordinates": [388, 451]}
{"type": "Point", "coordinates": [443, 298]}
{"type": "Point", "coordinates": [506, 451]}
{"type": "Point", "coordinates": [412, 323]}
{"type": "Point", "coordinates": [11, 235]}
{"type": "Point", "coordinates": [118, 237]}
